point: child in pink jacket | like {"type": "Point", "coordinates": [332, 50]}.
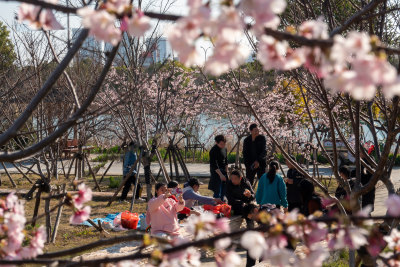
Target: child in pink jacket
{"type": "Point", "coordinates": [162, 212]}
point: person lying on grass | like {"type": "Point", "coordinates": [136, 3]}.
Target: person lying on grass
{"type": "Point", "coordinates": [176, 192]}
{"type": "Point", "coordinates": [192, 196]}
{"type": "Point", "coordinates": [162, 212]}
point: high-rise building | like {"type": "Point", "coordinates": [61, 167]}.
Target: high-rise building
{"type": "Point", "coordinates": [154, 50]}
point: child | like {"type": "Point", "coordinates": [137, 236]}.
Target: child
{"type": "Point", "coordinates": [162, 212]}
{"type": "Point", "coordinates": [175, 190]}
{"type": "Point", "coordinates": [239, 192]}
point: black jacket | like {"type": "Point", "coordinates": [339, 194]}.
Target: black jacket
{"type": "Point", "coordinates": [255, 151]}
{"type": "Point", "coordinates": [369, 197]}
{"type": "Point", "coordinates": [218, 160]}
{"type": "Point", "coordinates": [294, 190]}
{"type": "Point", "coordinates": [340, 192]}
{"type": "Point", "coordinates": [235, 195]}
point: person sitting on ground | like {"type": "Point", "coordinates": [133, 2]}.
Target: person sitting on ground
{"type": "Point", "coordinates": [271, 188]}
{"type": "Point", "coordinates": [192, 196]}
{"type": "Point", "coordinates": [239, 192]}
{"type": "Point", "coordinates": [176, 191]}
{"type": "Point", "coordinates": [162, 212]}
{"type": "Point", "coordinates": [294, 178]}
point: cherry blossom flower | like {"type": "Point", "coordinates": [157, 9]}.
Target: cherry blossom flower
{"type": "Point", "coordinates": [84, 195]}
{"type": "Point", "coordinates": [80, 216]}
{"type": "Point", "coordinates": [393, 205]}
{"type": "Point", "coordinates": [137, 25]}
{"type": "Point", "coordinates": [274, 54]}
{"type": "Point", "coordinates": [206, 224]}
{"type": "Point", "coordinates": [351, 237]}
{"type": "Point", "coordinates": [222, 243]}
{"type": "Point", "coordinates": [36, 244]}
{"type": "Point", "coordinates": [227, 259]}
{"type": "Point", "coordinates": [38, 18]}
{"type": "Point", "coordinates": [255, 243]}
{"type": "Point", "coordinates": [116, 6]}
{"type": "Point", "coordinates": [392, 89]}
{"type": "Point", "coordinates": [393, 240]}
{"type": "Point", "coordinates": [101, 24]}
{"type": "Point", "coordinates": [314, 258]}
{"type": "Point", "coordinates": [226, 56]}
{"type": "Point", "coordinates": [264, 13]}
{"type": "Point", "coordinates": [314, 29]}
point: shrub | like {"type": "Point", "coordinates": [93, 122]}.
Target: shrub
{"type": "Point", "coordinates": [114, 182]}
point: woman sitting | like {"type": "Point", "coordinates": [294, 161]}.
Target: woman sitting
{"type": "Point", "coordinates": [271, 188]}
{"type": "Point", "coordinates": [239, 192]}
{"type": "Point", "coordinates": [192, 197]}
{"type": "Point", "coordinates": [162, 212]}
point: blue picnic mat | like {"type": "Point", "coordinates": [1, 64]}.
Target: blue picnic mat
{"type": "Point", "coordinates": [110, 219]}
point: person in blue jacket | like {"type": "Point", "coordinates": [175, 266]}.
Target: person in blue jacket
{"type": "Point", "coordinates": [130, 159]}
{"type": "Point", "coordinates": [271, 188]}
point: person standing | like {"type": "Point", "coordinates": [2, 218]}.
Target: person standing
{"type": "Point", "coordinates": [218, 167]}
{"type": "Point", "coordinates": [294, 178]}
{"type": "Point", "coordinates": [129, 160]}
{"type": "Point", "coordinates": [254, 154]}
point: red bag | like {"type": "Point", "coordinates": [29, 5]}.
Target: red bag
{"type": "Point", "coordinates": [225, 209]}
{"type": "Point", "coordinates": [129, 220]}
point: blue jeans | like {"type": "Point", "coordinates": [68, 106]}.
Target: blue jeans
{"type": "Point", "coordinates": [221, 192]}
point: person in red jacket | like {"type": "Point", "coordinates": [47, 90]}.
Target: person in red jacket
{"type": "Point", "coordinates": [175, 190]}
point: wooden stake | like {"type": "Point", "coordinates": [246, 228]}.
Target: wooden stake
{"type": "Point", "coordinates": [23, 174]}
{"type": "Point", "coordinates": [48, 218]}
{"type": "Point", "coordinates": [36, 209]}
{"type": "Point", "coordinates": [91, 171]}
{"type": "Point", "coordinates": [58, 218]}
{"type": "Point", "coordinates": [108, 168]}
{"type": "Point", "coordinates": [8, 174]}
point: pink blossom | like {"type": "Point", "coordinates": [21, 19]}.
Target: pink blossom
{"type": "Point", "coordinates": [314, 258]}
{"type": "Point", "coordinates": [45, 19]}
{"type": "Point", "coordinates": [264, 13]}
{"type": "Point", "coordinates": [227, 259]}
{"type": "Point", "coordinates": [36, 245]}
{"type": "Point", "coordinates": [117, 6]}
{"type": "Point", "coordinates": [222, 225]}
{"type": "Point", "coordinates": [222, 243]}
{"type": "Point", "coordinates": [326, 202]}
{"type": "Point", "coordinates": [393, 240]}
{"type": "Point", "coordinates": [392, 89]}
{"type": "Point", "coordinates": [137, 25]}
{"type": "Point", "coordinates": [393, 205]}
{"type": "Point", "coordinates": [255, 243]}
{"type": "Point", "coordinates": [80, 216]}
{"type": "Point", "coordinates": [101, 24]}
{"type": "Point", "coordinates": [226, 56]}
{"type": "Point", "coordinates": [351, 237]}
{"type": "Point", "coordinates": [314, 29]}
{"type": "Point", "coordinates": [84, 195]}
{"type": "Point", "coordinates": [274, 54]}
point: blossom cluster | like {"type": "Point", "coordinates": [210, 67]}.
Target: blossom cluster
{"type": "Point", "coordinates": [81, 213]}
{"type": "Point", "coordinates": [353, 64]}
{"type": "Point", "coordinates": [12, 232]}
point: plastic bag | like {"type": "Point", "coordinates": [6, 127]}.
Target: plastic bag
{"type": "Point", "coordinates": [117, 220]}
{"type": "Point", "coordinates": [129, 220]}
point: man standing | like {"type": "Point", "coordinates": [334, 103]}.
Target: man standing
{"type": "Point", "coordinates": [218, 167]}
{"type": "Point", "coordinates": [129, 160]}
{"type": "Point", "coordinates": [294, 178]}
{"type": "Point", "coordinates": [254, 154]}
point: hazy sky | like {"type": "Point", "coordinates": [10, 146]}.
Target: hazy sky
{"type": "Point", "coordinates": [7, 11]}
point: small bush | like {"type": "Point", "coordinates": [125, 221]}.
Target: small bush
{"type": "Point", "coordinates": [114, 182]}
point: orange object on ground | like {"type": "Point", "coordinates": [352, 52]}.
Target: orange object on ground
{"type": "Point", "coordinates": [129, 220]}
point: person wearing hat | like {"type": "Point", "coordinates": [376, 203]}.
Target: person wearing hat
{"type": "Point", "coordinates": [192, 196]}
